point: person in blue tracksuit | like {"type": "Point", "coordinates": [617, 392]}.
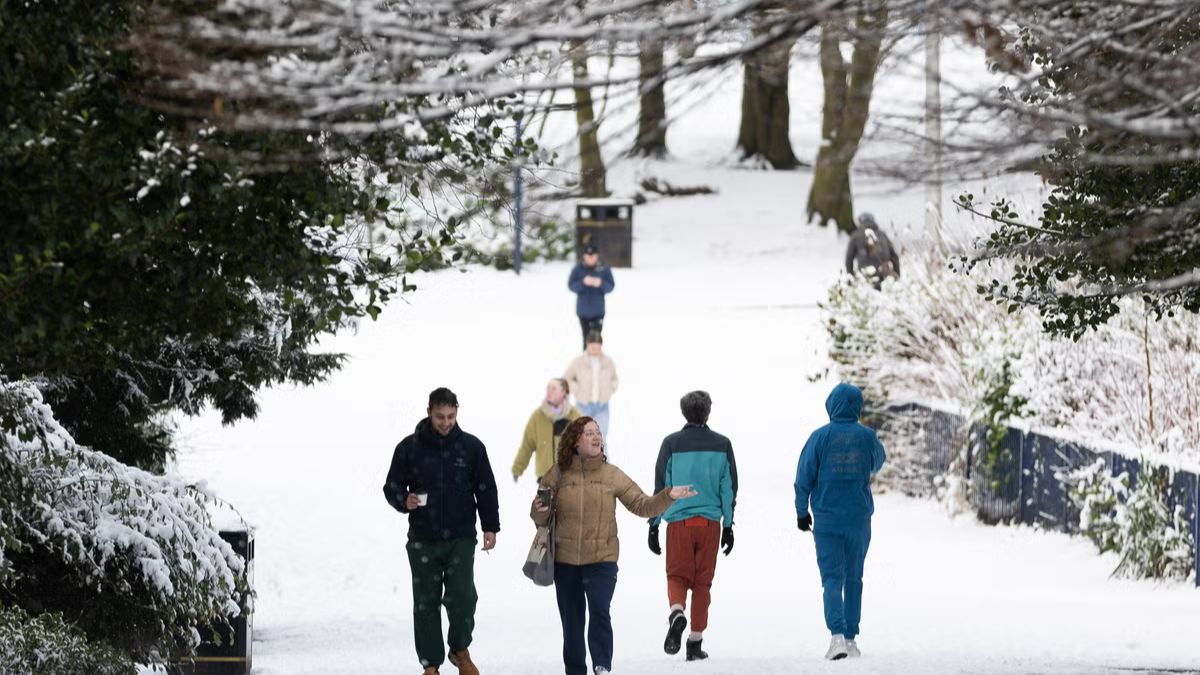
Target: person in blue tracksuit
{"type": "Point", "coordinates": [702, 458]}
{"type": "Point", "coordinates": [834, 477]}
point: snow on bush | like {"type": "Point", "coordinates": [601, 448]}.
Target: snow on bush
{"type": "Point", "coordinates": [131, 556]}
{"type": "Point", "coordinates": [930, 336]}
{"type": "Point", "coordinates": [1151, 539]}
{"type": "Point", "coordinates": [47, 645]}
{"type": "Point", "coordinates": [1132, 385]}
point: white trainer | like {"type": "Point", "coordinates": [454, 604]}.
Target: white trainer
{"type": "Point", "coordinates": [837, 648]}
{"type": "Point", "coordinates": [852, 649]}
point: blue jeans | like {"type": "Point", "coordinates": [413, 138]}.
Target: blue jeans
{"type": "Point", "coordinates": [598, 412]}
{"type": "Point", "coordinates": [840, 555]}
{"type": "Point", "coordinates": [585, 590]}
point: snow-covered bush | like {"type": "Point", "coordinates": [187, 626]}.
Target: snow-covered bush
{"type": "Point", "coordinates": [926, 336]}
{"type": "Point", "coordinates": [47, 645]}
{"type": "Point", "coordinates": [931, 336]}
{"type": "Point", "coordinates": [130, 556]}
{"type": "Point", "coordinates": [1098, 494]}
{"type": "Point", "coordinates": [1151, 539]}
{"type": "Point", "coordinates": [543, 240]}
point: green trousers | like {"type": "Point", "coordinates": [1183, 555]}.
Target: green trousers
{"type": "Point", "coordinates": [443, 575]}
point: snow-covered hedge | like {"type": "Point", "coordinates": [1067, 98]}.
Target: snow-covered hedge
{"type": "Point", "coordinates": [930, 336]}
{"type": "Point", "coordinates": [1132, 386]}
{"type": "Point", "coordinates": [47, 645]}
{"type": "Point", "coordinates": [130, 556]}
{"type": "Point", "coordinates": [1151, 539]}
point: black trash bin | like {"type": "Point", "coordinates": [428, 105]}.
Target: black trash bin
{"type": "Point", "coordinates": [606, 224]}
{"type": "Point", "coordinates": [227, 650]}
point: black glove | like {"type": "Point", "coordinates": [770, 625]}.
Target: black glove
{"type": "Point", "coordinates": [652, 540]}
{"type": "Point", "coordinates": [804, 523]}
{"type": "Point", "coordinates": [727, 539]}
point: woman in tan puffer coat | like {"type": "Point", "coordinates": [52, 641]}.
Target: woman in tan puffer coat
{"type": "Point", "coordinates": [585, 489]}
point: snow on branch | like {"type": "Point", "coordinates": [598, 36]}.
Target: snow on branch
{"type": "Point", "coordinates": [117, 531]}
{"type": "Point", "coordinates": [363, 67]}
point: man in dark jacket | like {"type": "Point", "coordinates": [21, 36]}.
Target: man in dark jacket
{"type": "Point", "coordinates": [440, 477]}
{"type": "Point", "coordinates": [870, 252]}
{"type": "Point", "coordinates": [834, 475]}
{"type": "Point", "coordinates": [702, 458]}
{"type": "Point", "coordinates": [591, 280]}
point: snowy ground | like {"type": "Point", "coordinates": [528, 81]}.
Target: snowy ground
{"type": "Point", "coordinates": [722, 298]}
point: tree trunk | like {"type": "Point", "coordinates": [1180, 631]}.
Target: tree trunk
{"type": "Point", "coordinates": [765, 109]}
{"type": "Point", "coordinates": [844, 117]}
{"type": "Point", "coordinates": [592, 175]}
{"type": "Point", "coordinates": [651, 138]}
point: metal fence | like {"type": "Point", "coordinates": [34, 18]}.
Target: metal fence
{"type": "Point", "coordinates": [1022, 481]}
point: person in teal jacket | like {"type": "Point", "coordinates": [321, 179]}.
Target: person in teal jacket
{"type": "Point", "coordinates": [702, 458]}
{"type": "Point", "coordinates": [834, 477]}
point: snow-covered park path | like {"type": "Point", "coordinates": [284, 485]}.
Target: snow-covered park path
{"type": "Point", "coordinates": [722, 298]}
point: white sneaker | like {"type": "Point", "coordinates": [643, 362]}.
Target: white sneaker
{"type": "Point", "coordinates": [601, 670]}
{"type": "Point", "coordinates": [852, 649]}
{"type": "Point", "coordinates": [837, 648]}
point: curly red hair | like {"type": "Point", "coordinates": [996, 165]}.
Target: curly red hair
{"type": "Point", "coordinates": [570, 439]}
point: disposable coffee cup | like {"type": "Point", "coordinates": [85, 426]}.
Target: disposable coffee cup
{"type": "Point", "coordinates": [422, 498]}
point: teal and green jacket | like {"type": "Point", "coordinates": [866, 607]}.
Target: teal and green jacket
{"type": "Point", "coordinates": [702, 458]}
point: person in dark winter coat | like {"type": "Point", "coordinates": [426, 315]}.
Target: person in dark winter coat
{"type": "Point", "coordinates": [834, 477]}
{"type": "Point", "coordinates": [702, 458]}
{"type": "Point", "coordinates": [870, 252]}
{"type": "Point", "coordinates": [590, 280]}
{"type": "Point", "coordinates": [440, 476]}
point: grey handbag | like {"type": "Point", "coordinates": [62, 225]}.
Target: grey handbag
{"type": "Point", "coordinates": [539, 564]}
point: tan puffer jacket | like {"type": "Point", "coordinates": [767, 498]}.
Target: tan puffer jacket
{"type": "Point", "coordinates": [585, 531]}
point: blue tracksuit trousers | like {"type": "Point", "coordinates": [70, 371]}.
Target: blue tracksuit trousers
{"type": "Point", "coordinates": [840, 556]}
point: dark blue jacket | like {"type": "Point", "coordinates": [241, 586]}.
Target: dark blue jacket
{"type": "Point", "coordinates": [589, 301]}
{"type": "Point", "coordinates": [455, 471]}
{"type": "Point", "coordinates": [835, 468]}
{"type": "Point", "coordinates": [702, 458]}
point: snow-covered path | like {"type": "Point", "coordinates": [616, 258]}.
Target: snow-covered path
{"type": "Point", "coordinates": [722, 298]}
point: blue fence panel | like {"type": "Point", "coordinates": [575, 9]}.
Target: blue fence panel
{"type": "Point", "coordinates": [1025, 481]}
{"type": "Point", "coordinates": [1046, 498]}
{"type": "Point", "coordinates": [996, 478]}
{"type": "Point", "coordinates": [1118, 464]}
{"type": "Point", "coordinates": [944, 435]}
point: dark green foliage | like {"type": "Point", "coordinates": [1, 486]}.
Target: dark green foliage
{"type": "Point", "coordinates": [47, 645]}
{"type": "Point", "coordinates": [1000, 405]}
{"type": "Point", "coordinates": [543, 240]}
{"type": "Point", "coordinates": [129, 558]}
{"type": "Point", "coordinates": [1123, 217]}
{"type": "Point", "coordinates": [150, 262]}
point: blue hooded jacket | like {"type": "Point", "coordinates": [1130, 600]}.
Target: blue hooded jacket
{"type": "Point", "coordinates": [836, 466]}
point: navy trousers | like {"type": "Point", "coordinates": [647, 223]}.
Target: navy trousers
{"type": "Point", "coordinates": [840, 555]}
{"type": "Point", "coordinates": [584, 595]}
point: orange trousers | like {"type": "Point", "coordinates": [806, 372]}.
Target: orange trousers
{"type": "Point", "coordinates": [692, 547]}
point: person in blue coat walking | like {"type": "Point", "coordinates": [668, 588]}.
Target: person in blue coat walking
{"type": "Point", "coordinates": [590, 280]}
{"type": "Point", "coordinates": [834, 477]}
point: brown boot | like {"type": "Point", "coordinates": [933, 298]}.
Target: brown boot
{"type": "Point", "coordinates": [462, 659]}
{"type": "Point", "coordinates": [430, 670]}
